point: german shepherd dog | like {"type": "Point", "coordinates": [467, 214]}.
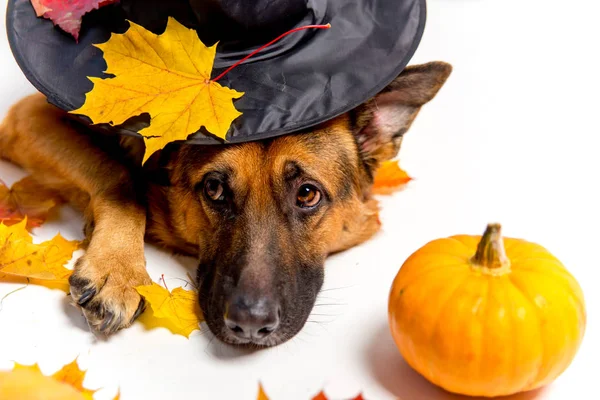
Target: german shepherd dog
{"type": "Point", "coordinates": [261, 217]}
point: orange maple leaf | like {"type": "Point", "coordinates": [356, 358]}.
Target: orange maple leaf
{"type": "Point", "coordinates": [319, 396]}
{"type": "Point", "coordinates": [261, 393]}
{"type": "Point", "coordinates": [71, 375]}
{"type": "Point", "coordinates": [28, 382]}
{"type": "Point", "coordinates": [42, 263]}
{"type": "Point", "coordinates": [390, 178]}
{"type": "Point", "coordinates": [26, 198]}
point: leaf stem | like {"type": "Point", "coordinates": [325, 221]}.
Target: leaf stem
{"type": "Point", "coordinates": [162, 276]}
{"type": "Point", "coordinates": [301, 28]}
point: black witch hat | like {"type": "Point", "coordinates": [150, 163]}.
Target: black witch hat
{"type": "Point", "coordinates": [305, 79]}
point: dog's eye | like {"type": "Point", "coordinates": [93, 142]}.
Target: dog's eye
{"type": "Point", "coordinates": [308, 196]}
{"type": "Point", "coordinates": [214, 190]}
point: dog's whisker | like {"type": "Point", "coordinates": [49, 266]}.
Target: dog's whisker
{"type": "Point", "coordinates": [313, 321]}
{"type": "Point", "coordinates": [192, 281]}
{"type": "Point", "coordinates": [203, 331]}
{"type": "Point", "coordinates": [323, 315]}
{"type": "Point", "coordinates": [321, 297]}
{"type": "Point", "coordinates": [321, 325]}
{"type": "Point", "coordinates": [210, 341]}
{"type": "Point", "coordinates": [307, 334]}
{"type": "Point", "coordinates": [301, 339]}
{"type": "Point", "coordinates": [187, 283]}
{"type": "Point", "coordinates": [337, 288]}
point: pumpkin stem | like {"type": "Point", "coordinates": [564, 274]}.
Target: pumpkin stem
{"type": "Point", "coordinates": [490, 250]}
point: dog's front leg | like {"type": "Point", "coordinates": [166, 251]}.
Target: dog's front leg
{"type": "Point", "coordinates": [36, 136]}
{"type": "Point", "coordinates": [103, 283]}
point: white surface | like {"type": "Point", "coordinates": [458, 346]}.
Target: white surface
{"type": "Point", "coordinates": [513, 137]}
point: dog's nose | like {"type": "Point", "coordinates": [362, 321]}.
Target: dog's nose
{"type": "Point", "coordinates": [252, 319]}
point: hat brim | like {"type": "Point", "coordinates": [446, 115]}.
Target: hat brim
{"type": "Point", "coordinates": [369, 43]}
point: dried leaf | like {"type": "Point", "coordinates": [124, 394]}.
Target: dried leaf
{"type": "Point", "coordinates": [26, 198]}
{"type": "Point", "coordinates": [28, 382]}
{"type": "Point", "coordinates": [44, 262]}
{"type": "Point", "coordinates": [177, 311]}
{"type": "Point", "coordinates": [261, 393]}
{"type": "Point", "coordinates": [67, 14]}
{"type": "Point", "coordinates": [390, 178]}
{"type": "Point", "coordinates": [166, 76]}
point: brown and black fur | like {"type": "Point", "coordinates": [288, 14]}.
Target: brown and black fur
{"type": "Point", "coordinates": [256, 245]}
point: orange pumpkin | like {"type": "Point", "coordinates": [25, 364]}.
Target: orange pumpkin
{"type": "Point", "coordinates": [507, 319]}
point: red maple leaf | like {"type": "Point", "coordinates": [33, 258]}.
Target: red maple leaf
{"type": "Point", "coordinates": [67, 14]}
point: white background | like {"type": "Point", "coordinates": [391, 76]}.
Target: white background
{"type": "Point", "coordinates": [513, 137]}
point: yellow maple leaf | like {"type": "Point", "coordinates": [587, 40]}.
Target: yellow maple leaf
{"type": "Point", "coordinates": [166, 76]}
{"type": "Point", "coordinates": [177, 311]}
{"type": "Point", "coordinates": [390, 178]}
{"type": "Point", "coordinates": [28, 382]}
{"type": "Point", "coordinates": [43, 262]}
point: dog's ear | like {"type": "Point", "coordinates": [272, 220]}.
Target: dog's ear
{"type": "Point", "coordinates": [380, 123]}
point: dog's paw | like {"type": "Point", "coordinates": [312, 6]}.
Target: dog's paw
{"type": "Point", "coordinates": [105, 291]}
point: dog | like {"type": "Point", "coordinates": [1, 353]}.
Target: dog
{"type": "Point", "coordinates": [261, 217]}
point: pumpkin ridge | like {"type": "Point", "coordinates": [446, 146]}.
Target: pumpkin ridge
{"type": "Point", "coordinates": [495, 286]}
{"type": "Point", "coordinates": [424, 272]}
{"type": "Point", "coordinates": [409, 315]}
{"type": "Point", "coordinates": [566, 282]}
{"type": "Point", "coordinates": [553, 260]}
{"type": "Point", "coordinates": [456, 239]}
{"type": "Point", "coordinates": [538, 325]}
{"type": "Point", "coordinates": [427, 249]}
{"type": "Point", "coordinates": [484, 325]}
{"type": "Point", "coordinates": [518, 249]}
{"type": "Point", "coordinates": [558, 268]}
{"type": "Point", "coordinates": [568, 287]}
{"type": "Point", "coordinates": [446, 304]}
{"type": "Point", "coordinates": [420, 254]}
{"type": "Point", "coordinates": [574, 300]}
{"type": "Point", "coordinates": [524, 257]}
{"type": "Point", "coordinates": [514, 339]}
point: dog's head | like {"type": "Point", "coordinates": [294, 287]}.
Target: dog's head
{"type": "Point", "coordinates": [263, 216]}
